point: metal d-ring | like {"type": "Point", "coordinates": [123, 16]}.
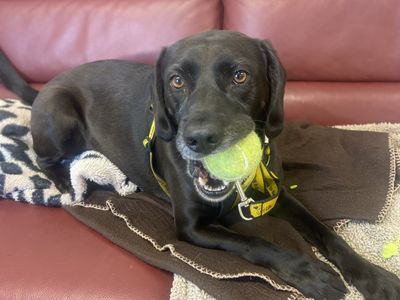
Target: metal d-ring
{"type": "Point", "coordinates": [244, 201]}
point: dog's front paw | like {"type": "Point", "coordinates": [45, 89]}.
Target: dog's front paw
{"type": "Point", "coordinates": [376, 283]}
{"type": "Point", "coordinates": [317, 280]}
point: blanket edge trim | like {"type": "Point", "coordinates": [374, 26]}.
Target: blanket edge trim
{"type": "Point", "coordinates": [294, 293]}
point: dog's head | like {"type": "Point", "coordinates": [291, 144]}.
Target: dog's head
{"type": "Point", "coordinates": [212, 90]}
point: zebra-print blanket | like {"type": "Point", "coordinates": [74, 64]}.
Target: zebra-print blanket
{"type": "Point", "coordinates": [21, 178]}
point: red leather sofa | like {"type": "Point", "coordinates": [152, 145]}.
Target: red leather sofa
{"type": "Point", "coordinates": [343, 64]}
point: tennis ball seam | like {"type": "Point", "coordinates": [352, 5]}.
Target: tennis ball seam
{"type": "Point", "coordinates": [245, 159]}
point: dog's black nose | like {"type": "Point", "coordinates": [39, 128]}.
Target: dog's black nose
{"type": "Point", "coordinates": [203, 139]}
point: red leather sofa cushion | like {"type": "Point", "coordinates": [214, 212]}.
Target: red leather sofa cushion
{"type": "Point", "coordinates": [325, 40]}
{"type": "Point", "coordinates": [62, 34]}
{"type": "Point", "coordinates": [5, 93]}
{"type": "Point", "coordinates": [330, 103]}
{"type": "Point", "coordinates": [47, 254]}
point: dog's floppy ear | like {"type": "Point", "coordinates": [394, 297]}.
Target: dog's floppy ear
{"type": "Point", "coordinates": [276, 76]}
{"type": "Point", "coordinates": [165, 127]}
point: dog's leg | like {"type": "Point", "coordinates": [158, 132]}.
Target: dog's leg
{"type": "Point", "coordinates": [194, 218]}
{"type": "Point", "coordinates": [372, 281]}
{"type": "Point", "coordinates": [313, 278]}
{"type": "Point", "coordinates": [57, 135]}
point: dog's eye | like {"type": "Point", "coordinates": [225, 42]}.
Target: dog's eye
{"type": "Point", "coordinates": [239, 77]}
{"type": "Point", "coordinates": [177, 82]}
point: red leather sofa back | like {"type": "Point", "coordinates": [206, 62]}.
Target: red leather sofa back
{"type": "Point", "coordinates": [325, 40]}
{"type": "Point", "coordinates": [317, 40]}
{"type": "Point", "coordinates": [62, 34]}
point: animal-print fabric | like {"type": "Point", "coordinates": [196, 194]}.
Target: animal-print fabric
{"type": "Point", "coordinates": [22, 180]}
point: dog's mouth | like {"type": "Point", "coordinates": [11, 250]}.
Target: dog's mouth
{"type": "Point", "coordinates": [208, 187]}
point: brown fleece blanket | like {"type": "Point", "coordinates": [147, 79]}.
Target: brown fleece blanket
{"type": "Point", "coordinates": [340, 175]}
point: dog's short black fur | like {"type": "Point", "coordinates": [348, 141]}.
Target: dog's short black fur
{"type": "Point", "coordinates": [205, 93]}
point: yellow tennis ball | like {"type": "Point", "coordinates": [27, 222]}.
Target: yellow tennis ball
{"type": "Point", "coordinates": [238, 161]}
{"type": "Point", "coordinates": [390, 249]}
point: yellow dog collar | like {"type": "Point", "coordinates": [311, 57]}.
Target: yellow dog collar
{"type": "Point", "coordinates": [263, 181]}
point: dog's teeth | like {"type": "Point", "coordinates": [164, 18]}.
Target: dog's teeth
{"type": "Point", "coordinates": [208, 188]}
{"type": "Point", "coordinates": [225, 182]}
{"type": "Point", "coordinates": [214, 189]}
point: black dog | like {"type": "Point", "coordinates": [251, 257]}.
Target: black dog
{"type": "Point", "coordinates": [205, 94]}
